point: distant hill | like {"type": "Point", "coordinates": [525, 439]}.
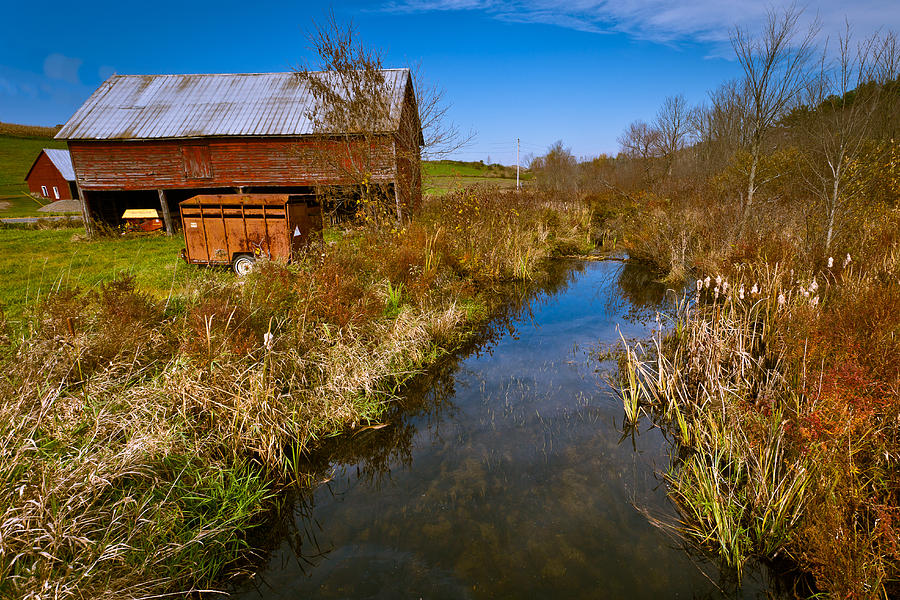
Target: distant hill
{"type": "Point", "coordinates": [441, 168]}
{"type": "Point", "coordinates": [27, 131]}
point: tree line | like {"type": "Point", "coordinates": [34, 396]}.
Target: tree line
{"type": "Point", "coordinates": [808, 131]}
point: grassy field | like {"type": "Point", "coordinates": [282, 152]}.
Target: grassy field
{"type": "Point", "coordinates": [443, 176]}
{"type": "Point", "coordinates": [36, 262]}
{"type": "Point", "coordinates": [19, 146]}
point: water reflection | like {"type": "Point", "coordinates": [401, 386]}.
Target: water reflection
{"type": "Point", "coordinates": [501, 474]}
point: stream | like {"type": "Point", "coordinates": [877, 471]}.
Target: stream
{"type": "Point", "coordinates": [504, 473]}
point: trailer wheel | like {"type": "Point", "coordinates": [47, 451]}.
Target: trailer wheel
{"type": "Point", "coordinates": [242, 264]}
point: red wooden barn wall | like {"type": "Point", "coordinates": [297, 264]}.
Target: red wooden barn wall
{"type": "Point", "coordinates": [220, 162]}
{"type": "Point", "coordinates": [45, 173]}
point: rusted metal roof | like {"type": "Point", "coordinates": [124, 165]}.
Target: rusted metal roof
{"type": "Point", "coordinates": [62, 161]}
{"type": "Point", "coordinates": [135, 107]}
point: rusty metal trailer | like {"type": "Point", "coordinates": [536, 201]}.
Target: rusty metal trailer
{"type": "Point", "coordinates": [237, 229]}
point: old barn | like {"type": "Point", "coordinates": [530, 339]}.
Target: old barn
{"type": "Point", "coordinates": [52, 176]}
{"type": "Point", "coordinates": [151, 141]}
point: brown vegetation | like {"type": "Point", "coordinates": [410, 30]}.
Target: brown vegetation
{"type": "Point", "coordinates": [142, 439]}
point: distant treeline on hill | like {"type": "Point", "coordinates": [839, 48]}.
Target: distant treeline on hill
{"type": "Point", "coordinates": [27, 131]}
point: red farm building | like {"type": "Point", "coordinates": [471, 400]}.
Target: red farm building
{"type": "Point", "coordinates": [151, 141]}
{"type": "Point", "coordinates": [52, 176]}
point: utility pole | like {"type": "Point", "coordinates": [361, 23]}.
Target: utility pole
{"type": "Point", "coordinates": [517, 164]}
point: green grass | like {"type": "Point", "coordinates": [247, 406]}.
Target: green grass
{"type": "Point", "coordinates": [443, 176]}
{"type": "Point", "coordinates": [16, 156]}
{"type": "Point", "coordinates": [36, 261]}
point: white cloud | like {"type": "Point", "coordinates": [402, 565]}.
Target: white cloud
{"type": "Point", "coordinates": [64, 68]}
{"type": "Point", "coordinates": [665, 21]}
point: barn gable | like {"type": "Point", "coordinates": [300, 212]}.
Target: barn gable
{"type": "Point", "coordinates": [59, 159]}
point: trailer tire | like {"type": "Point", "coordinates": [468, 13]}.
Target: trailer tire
{"type": "Point", "coordinates": [243, 264]}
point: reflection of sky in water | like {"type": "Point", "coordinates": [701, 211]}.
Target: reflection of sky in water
{"type": "Point", "coordinates": [516, 485]}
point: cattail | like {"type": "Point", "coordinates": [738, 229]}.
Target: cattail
{"type": "Point", "coordinates": [781, 299]}
{"type": "Point", "coordinates": [847, 260]}
{"type": "Point", "coordinates": [716, 292]}
{"type": "Point", "coordinates": [815, 301]}
{"type": "Point", "coordinates": [706, 282]}
{"type": "Point", "coordinates": [830, 261]}
{"type": "Point", "coordinates": [699, 285]}
{"type": "Point", "coordinates": [268, 340]}
{"type": "Point", "coordinates": [725, 286]}
{"type": "Point", "coordinates": [741, 292]}
{"type": "Point", "coordinates": [813, 286]}
{"type": "Point", "coordinates": [718, 280]}
{"type": "Point", "coordinates": [805, 293]}
{"type": "Point", "coordinates": [754, 290]}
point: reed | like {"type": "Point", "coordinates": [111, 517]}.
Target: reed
{"type": "Point", "coordinates": [782, 410]}
{"type": "Point", "coordinates": [728, 487]}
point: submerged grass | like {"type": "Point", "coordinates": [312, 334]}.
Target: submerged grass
{"type": "Point", "coordinates": [144, 436]}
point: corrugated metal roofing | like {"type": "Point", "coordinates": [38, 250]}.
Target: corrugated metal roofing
{"type": "Point", "coordinates": [129, 107]}
{"type": "Point", "coordinates": [62, 161]}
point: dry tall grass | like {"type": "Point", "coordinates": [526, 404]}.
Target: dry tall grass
{"type": "Point", "coordinates": [782, 390]}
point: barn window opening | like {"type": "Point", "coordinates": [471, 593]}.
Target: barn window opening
{"type": "Point", "coordinates": [55, 192]}
{"type": "Point", "coordinates": [44, 191]}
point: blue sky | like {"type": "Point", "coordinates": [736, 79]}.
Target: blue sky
{"type": "Point", "coordinates": [578, 71]}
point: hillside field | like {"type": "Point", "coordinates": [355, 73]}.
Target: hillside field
{"type": "Point", "coordinates": [442, 176]}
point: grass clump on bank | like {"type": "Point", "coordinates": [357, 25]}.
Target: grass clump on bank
{"type": "Point", "coordinates": [144, 437]}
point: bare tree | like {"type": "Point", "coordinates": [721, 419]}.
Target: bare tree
{"type": "Point", "coordinates": [639, 143]}
{"type": "Point", "coordinates": [557, 170]}
{"type": "Point", "coordinates": [774, 65]}
{"type": "Point", "coordinates": [356, 108]}
{"type": "Point", "coordinates": [841, 104]}
{"type": "Point", "coordinates": [673, 125]}
{"type": "Point", "coordinates": [351, 110]}
{"type": "Point", "coordinates": [441, 137]}
{"type": "Point", "coordinates": [718, 127]}
{"type": "Point", "coordinates": [886, 70]}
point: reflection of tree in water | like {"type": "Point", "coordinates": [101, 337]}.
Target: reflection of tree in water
{"type": "Point", "coordinates": [641, 294]}
{"type": "Point", "coordinates": [426, 401]}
